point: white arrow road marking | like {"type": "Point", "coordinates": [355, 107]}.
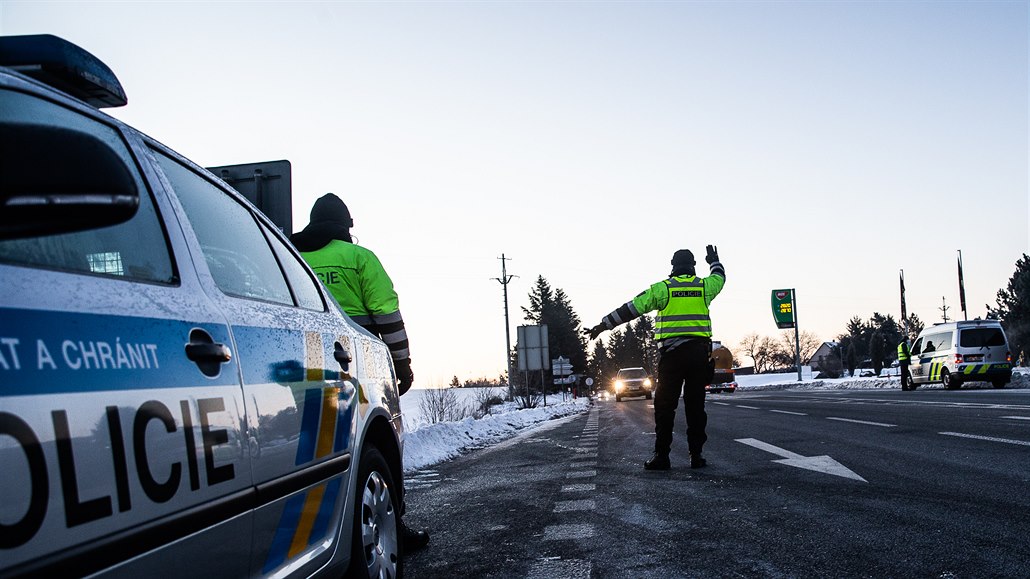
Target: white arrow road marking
{"type": "Point", "coordinates": [823, 464]}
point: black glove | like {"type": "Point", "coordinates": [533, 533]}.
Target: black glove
{"type": "Point", "coordinates": [713, 254]}
{"type": "Point", "coordinates": [404, 375]}
{"type": "Point", "coordinates": [595, 331]}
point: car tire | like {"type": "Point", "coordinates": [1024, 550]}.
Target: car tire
{"type": "Point", "coordinates": [376, 541]}
{"type": "Point", "coordinates": [950, 382]}
{"type": "Point", "coordinates": [999, 382]}
{"type": "Point", "coordinates": [906, 384]}
{"type": "Point", "coordinates": [647, 396]}
{"type": "Point", "coordinates": [618, 398]}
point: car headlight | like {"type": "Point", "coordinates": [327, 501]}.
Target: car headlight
{"type": "Point", "coordinates": [647, 382]}
{"type": "Point", "coordinates": [619, 385]}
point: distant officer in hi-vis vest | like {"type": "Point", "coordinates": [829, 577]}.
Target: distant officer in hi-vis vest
{"type": "Point", "coordinates": [683, 330]}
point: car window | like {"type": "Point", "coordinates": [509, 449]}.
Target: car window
{"type": "Point", "coordinates": [632, 374]}
{"type": "Point", "coordinates": [304, 288]}
{"type": "Point", "coordinates": [917, 347]}
{"type": "Point", "coordinates": [944, 341]}
{"type": "Point", "coordinates": [981, 337]}
{"type": "Point", "coordinates": [236, 252]}
{"type": "Point", "coordinates": [73, 152]}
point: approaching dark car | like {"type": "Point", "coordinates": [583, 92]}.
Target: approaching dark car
{"type": "Point", "coordinates": [632, 382]}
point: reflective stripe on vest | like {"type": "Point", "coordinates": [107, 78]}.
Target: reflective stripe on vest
{"type": "Point", "coordinates": [686, 314]}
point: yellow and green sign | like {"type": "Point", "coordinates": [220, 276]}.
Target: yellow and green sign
{"type": "Point", "coordinates": [783, 308]}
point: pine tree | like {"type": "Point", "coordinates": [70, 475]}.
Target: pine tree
{"type": "Point", "coordinates": [1014, 310]}
{"type": "Point", "coordinates": [551, 307]}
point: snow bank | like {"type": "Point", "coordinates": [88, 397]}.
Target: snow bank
{"type": "Point", "coordinates": [433, 443]}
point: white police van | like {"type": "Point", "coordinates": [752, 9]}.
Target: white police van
{"type": "Point", "coordinates": [958, 352]}
{"type": "Point", "coordinates": [179, 396]}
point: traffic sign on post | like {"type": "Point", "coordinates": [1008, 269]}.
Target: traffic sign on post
{"type": "Point", "coordinates": [561, 366]}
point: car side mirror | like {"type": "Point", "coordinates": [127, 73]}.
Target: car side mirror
{"type": "Point", "coordinates": [58, 180]}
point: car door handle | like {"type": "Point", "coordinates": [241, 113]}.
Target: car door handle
{"type": "Point", "coordinates": [342, 356]}
{"type": "Point", "coordinates": [208, 355]}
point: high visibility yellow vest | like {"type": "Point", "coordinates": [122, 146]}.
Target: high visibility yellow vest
{"type": "Point", "coordinates": [682, 304]}
{"type": "Point", "coordinates": [903, 352]}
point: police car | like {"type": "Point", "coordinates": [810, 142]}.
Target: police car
{"type": "Point", "coordinates": [178, 394]}
{"type": "Point", "coordinates": [958, 352]}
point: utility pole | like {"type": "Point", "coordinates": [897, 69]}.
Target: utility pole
{"type": "Point", "coordinates": [504, 280]}
{"type": "Point", "coordinates": [944, 309]}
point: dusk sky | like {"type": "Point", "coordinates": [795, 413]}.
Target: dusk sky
{"type": "Point", "coordinates": [822, 146]}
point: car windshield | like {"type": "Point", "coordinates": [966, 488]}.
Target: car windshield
{"type": "Point", "coordinates": [632, 374]}
{"type": "Point", "coordinates": [981, 337]}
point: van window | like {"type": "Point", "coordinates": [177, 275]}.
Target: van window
{"type": "Point", "coordinates": [66, 148]}
{"type": "Point", "coordinates": [981, 337]}
{"type": "Point", "coordinates": [917, 347]}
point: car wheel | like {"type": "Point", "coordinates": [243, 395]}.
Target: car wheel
{"type": "Point", "coordinates": [376, 543]}
{"type": "Point", "coordinates": [998, 382]}
{"type": "Point", "coordinates": [950, 382]}
{"type": "Point", "coordinates": [906, 383]}
{"type": "Point", "coordinates": [647, 396]}
{"type": "Point", "coordinates": [618, 398]}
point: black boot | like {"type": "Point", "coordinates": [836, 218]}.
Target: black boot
{"type": "Point", "coordinates": [412, 539]}
{"type": "Point", "coordinates": [660, 461]}
{"type": "Point", "coordinates": [696, 461]}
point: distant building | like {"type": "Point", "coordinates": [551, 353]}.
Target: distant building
{"type": "Point", "coordinates": [826, 359]}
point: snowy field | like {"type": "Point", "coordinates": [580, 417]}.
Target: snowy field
{"type": "Point", "coordinates": [426, 444]}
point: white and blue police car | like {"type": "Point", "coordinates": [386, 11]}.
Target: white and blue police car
{"type": "Point", "coordinates": [179, 395]}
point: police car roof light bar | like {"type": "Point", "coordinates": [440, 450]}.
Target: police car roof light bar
{"type": "Point", "coordinates": [64, 66]}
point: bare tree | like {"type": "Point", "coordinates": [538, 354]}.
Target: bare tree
{"type": "Point", "coordinates": [809, 343]}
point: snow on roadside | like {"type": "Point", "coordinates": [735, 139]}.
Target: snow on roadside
{"type": "Point", "coordinates": [433, 443]}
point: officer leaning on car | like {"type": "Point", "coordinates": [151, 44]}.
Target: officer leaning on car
{"type": "Point", "coordinates": [683, 330]}
{"type": "Point", "coordinates": [360, 284]}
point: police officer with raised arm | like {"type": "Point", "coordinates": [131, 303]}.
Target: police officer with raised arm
{"type": "Point", "coordinates": [683, 330]}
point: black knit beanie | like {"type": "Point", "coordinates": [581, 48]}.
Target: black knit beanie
{"type": "Point", "coordinates": [682, 262]}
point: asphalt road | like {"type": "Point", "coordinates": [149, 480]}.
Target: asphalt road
{"type": "Point", "coordinates": [930, 483]}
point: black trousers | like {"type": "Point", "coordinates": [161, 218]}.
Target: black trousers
{"type": "Point", "coordinates": [684, 370]}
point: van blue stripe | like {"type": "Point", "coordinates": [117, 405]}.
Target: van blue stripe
{"type": "Point", "coordinates": [309, 425]}
{"type": "Point", "coordinates": [284, 534]}
{"type": "Point", "coordinates": [325, 511]}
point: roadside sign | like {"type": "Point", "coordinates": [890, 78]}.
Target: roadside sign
{"type": "Point", "coordinates": [783, 308]}
{"type": "Point", "coordinates": [267, 185]}
{"type": "Point", "coordinates": [561, 366]}
{"type": "Point", "coordinates": [532, 347]}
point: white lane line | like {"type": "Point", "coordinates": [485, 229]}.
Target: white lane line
{"type": "Point", "coordinates": [576, 531]}
{"type": "Point", "coordinates": [571, 568]}
{"type": "Point", "coordinates": [860, 421]}
{"type": "Point", "coordinates": [789, 412]}
{"type": "Point", "coordinates": [579, 505]}
{"type": "Point", "coordinates": [722, 403]}
{"type": "Point", "coordinates": [988, 438]}
{"type": "Point", "coordinates": [579, 488]}
{"type": "Point", "coordinates": [1017, 417]}
{"type": "Point", "coordinates": [581, 474]}
{"type": "Point", "coordinates": [748, 407]}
